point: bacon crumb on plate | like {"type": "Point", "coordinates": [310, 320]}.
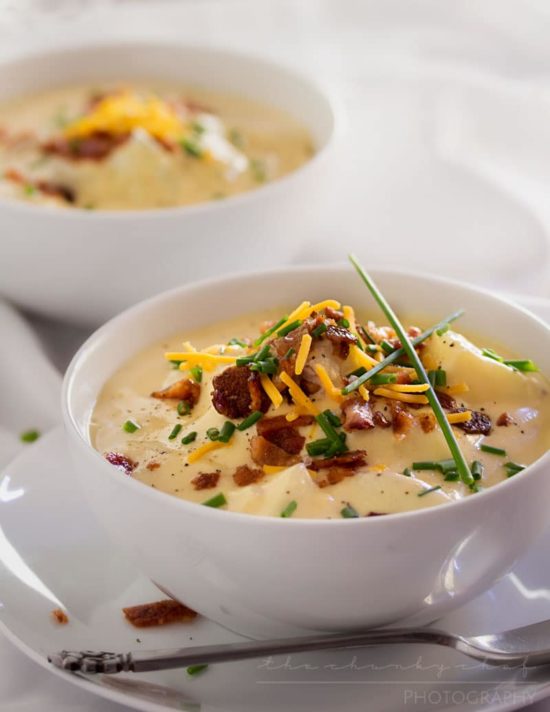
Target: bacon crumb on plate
{"type": "Point", "coordinates": [158, 613]}
{"type": "Point", "coordinates": [205, 480]}
{"type": "Point", "coordinates": [59, 616]}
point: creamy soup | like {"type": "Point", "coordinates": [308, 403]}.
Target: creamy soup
{"type": "Point", "coordinates": [138, 146]}
{"type": "Point", "coordinates": [262, 426]}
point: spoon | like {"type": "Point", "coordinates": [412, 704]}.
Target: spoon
{"type": "Point", "coordinates": [528, 646]}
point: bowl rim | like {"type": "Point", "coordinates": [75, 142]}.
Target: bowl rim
{"type": "Point", "coordinates": [186, 506]}
{"type": "Point", "coordinates": [333, 106]}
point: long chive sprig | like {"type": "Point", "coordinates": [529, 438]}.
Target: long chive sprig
{"type": "Point", "coordinates": [461, 464]}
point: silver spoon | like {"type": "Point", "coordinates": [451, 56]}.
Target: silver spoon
{"type": "Point", "coordinates": [528, 646]}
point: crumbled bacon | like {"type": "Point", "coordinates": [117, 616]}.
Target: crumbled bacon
{"type": "Point", "coordinates": [402, 420]}
{"type": "Point", "coordinates": [95, 147]}
{"type": "Point", "coordinates": [413, 331]}
{"type": "Point", "coordinates": [479, 423]}
{"type": "Point", "coordinates": [341, 339]}
{"type": "Point", "coordinates": [245, 475]}
{"type": "Point", "coordinates": [148, 615]}
{"type": "Point", "coordinates": [59, 616]}
{"type": "Point", "coordinates": [186, 390]}
{"type": "Point", "coordinates": [447, 401]}
{"type": "Point", "coordinates": [57, 190]}
{"type": "Point", "coordinates": [264, 452]}
{"type": "Point", "coordinates": [380, 419]}
{"type": "Point", "coordinates": [278, 422]}
{"type": "Point", "coordinates": [504, 419]}
{"type": "Point", "coordinates": [126, 464]}
{"type": "Point", "coordinates": [238, 392]}
{"type": "Point", "coordinates": [205, 480]}
{"type": "Point", "coordinates": [152, 465]}
{"type": "Point", "coordinates": [357, 414]}
{"type": "Point", "coordinates": [334, 475]}
{"type": "Point", "coordinates": [352, 459]}
{"type": "Point", "coordinates": [335, 314]}
{"type": "Point", "coordinates": [427, 422]}
{"type": "Point", "coordinates": [403, 377]}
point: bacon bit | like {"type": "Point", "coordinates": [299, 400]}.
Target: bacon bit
{"type": "Point", "coordinates": [427, 422]}
{"type": "Point", "coordinates": [479, 423]}
{"type": "Point", "coordinates": [380, 419]}
{"type": "Point", "coordinates": [95, 147]}
{"type": "Point", "coordinates": [126, 464]}
{"type": "Point", "coordinates": [447, 401]}
{"type": "Point", "coordinates": [186, 390]}
{"type": "Point", "coordinates": [283, 434]}
{"type": "Point", "coordinates": [335, 475]}
{"type": "Point", "coordinates": [245, 475]}
{"type": "Point", "coordinates": [504, 420]}
{"type": "Point", "coordinates": [352, 459]}
{"type": "Point", "coordinates": [403, 377]}
{"type": "Point", "coordinates": [59, 616]}
{"type": "Point", "coordinates": [14, 175]}
{"type": "Point", "coordinates": [205, 480]}
{"type": "Point", "coordinates": [341, 338]}
{"type": "Point", "coordinates": [57, 190]}
{"type": "Point", "coordinates": [152, 465]}
{"type": "Point", "coordinates": [335, 314]}
{"type": "Point", "coordinates": [357, 414]}
{"type": "Point", "coordinates": [278, 422]}
{"type": "Point", "coordinates": [264, 452]}
{"type": "Point", "coordinates": [148, 615]}
{"type": "Point", "coordinates": [413, 331]}
{"type": "Point", "coordinates": [402, 420]}
{"type": "Point", "coordinates": [238, 392]}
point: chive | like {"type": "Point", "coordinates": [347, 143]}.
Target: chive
{"type": "Point", "coordinates": [396, 355]}
{"type": "Point", "coordinates": [387, 347]}
{"type": "Point", "coordinates": [289, 327]}
{"type": "Point", "coordinates": [358, 372]}
{"type": "Point", "coordinates": [184, 407]}
{"type": "Point", "coordinates": [130, 426]}
{"type": "Point", "coordinates": [380, 378]}
{"type": "Point", "coordinates": [244, 360]}
{"type": "Point", "coordinates": [249, 421]}
{"type": "Point", "coordinates": [444, 329]}
{"type": "Point", "coordinates": [29, 189]}
{"type": "Point", "coordinates": [451, 476]}
{"type": "Point", "coordinates": [512, 468]}
{"type": "Point", "coordinates": [189, 438]}
{"type": "Point", "coordinates": [258, 170]}
{"type": "Point", "coordinates": [29, 436]}
{"type": "Point", "coordinates": [344, 323]}
{"type": "Point", "coordinates": [269, 365]}
{"type": "Point", "coordinates": [489, 353]}
{"type": "Point", "coordinates": [349, 512]}
{"type": "Point", "coordinates": [226, 433]}
{"type": "Point", "coordinates": [493, 450]}
{"type": "Point", "coordinates": [193, 670]}
{"type": "Point", "coordinates": [237, 342]}
{"type": "Point", "coordinates": [289, 510]}
{"type": "Point", "coordinates": [175, 431]}
{"type": "Point", "coordinates": [332, 418]}
{"type": "Point", "coordinates": [196, 372]}
{"type": "Point", "coordinates": [319, 331]}
{"type": "Point", "coordinates": [271, 330]}
{"type": "Point", "coordinates": [525, 365]}
{"type": "Point", "coordinates": [213, 434]}
{"type": "Point", "coordinates": [289, 354]}
{"type": "Point", "coordinates": [337, 443]}
{"type": "Point", "coordinates": [176, 364]}
{"type": "Point", "coordinates": [443, 466]}
{"type": "Point", "coordinates": [461, 464]}
{"type": "Point", "coordinates": [191, 147]}
{"type": "Point", "coordinates": [217, 500]}
{"type": "Point", "coordinates": [371, 348]}
{"type": "Point", "coordinates": [438, 378]}
{"type": "Point", "coordinates": [477, 469]}
{"type": "Point", "coordinates": [432, 489]}
{"type": "Point", "coordinates": [262, 353]}
{"type": "Point", "coordinates": [407, 472]}
{"type": "Point", "coordinates": [318, 447]}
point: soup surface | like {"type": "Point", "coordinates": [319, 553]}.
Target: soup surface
{"type": "Point", "coordinates": [260, 424]}
{"type": "Point", "coordinates": [142, 145]}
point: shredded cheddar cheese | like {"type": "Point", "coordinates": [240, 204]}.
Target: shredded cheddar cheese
{"type": "Point", "coordinates": [363, 390]}
{"type": "Point", "coordinates": [297, 394]}
{"type": "Point", "coordinates": [195, 358]}
{"type": "Point", "coordinates": [303, 353]}
{"type": "Point", "coordinates": [272, 469]}
{"type": "Point", "coordinates": [456, 389]}
{"type": "Point", "coordinates": [429, 362]}
{"type": "Point", "coordinates": [462, 417]}
{"type": "Point", "coordinates": [305, 309]}
{"type": "Point", "coordinates": [360, 358]}
{"type": "Point", "coordinates": [274, 396]}
{"type": "Point", "coordinates": [328, 386]}
{"type": "Point", "coordinates": [204, 450]}
{"type": "Point", "coordinates": [404, 397]}
{"type": "Point", "coordinates": [409, 387]}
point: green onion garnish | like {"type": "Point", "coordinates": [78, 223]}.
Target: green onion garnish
{"type": "Point", "coordinates": [29, 436]}
{"type": "Point", "coordinates": [268, 365]}
{"type": "Point", "coordinates": [387, 347]}
{"type": "Point", "coordinates": [349, 512]}
{"type": "Point", "coordinates": [217, 501]}
{"type": "Point", "coordinates": [452, 476]}
{"type": "Point", "coordinates": [477, 469]}
{"type": "Point", "coordinates": [337, 441]}
{"type": "Point", "coordinates": [512, 468]}
{"type": "Point", "coordinates": [212, 433]}
{"type": "Point", "coordinates": [189, 438]}
{"type": "Point", "coordinates": [237, 342]}
{"type": "Point", "coordinates": [407, 472]}
{"type": "Point", "coordinates": [289, 510]}
{"type": "Point", "coordinates": [289, 327]}
{"type": "Point", "coordinates": [438, 378]}
{"type": "Point", "coordinates": [250, 420]}
{"type": "Point", "coordinates": [332, 418]}
{"type": "Point", "coordinates": [262, 353]}
{"type": "Point", "coordinates": [191, 147]}
{"type": "Point", "coordinates": [489, 353]}
{"type": "Point", "coordinates": [427, 491]}
{"type": "Point", "coordinates": [318, 447]}
{"type": "Point", "coordinates": [175, 431]}
{"type": "Point", "coordinates": [358, 372]}
{"type": "Point", "coordinates": [319, 331]}
{"type": "Point", "coordinates": [493, 450]}
{"type": "Point", "coordinates": [196, 372]}
{"type": "Point", "coordinates": [130, 426]}
{"type": "Point", "coordinates": [226, 433]}
{"type": "Point", "coordinates": [461, 464]}
{"type": "Point", "coordinates": [443, 330]}
{"type": "Point", "coordinates": [440, 465]}
{"type": "Point", "coordinates": [176, 364]}
{"type": "Point", "coordinates": [271, 330]}
{"type": "Point", "coordinates": [184, 407]}
{"type": "Point", "coordinates": [525, 365]}
{"type": "Point", "coordinates": [344, 323]}
{"type": "Point", "coordinates": [380, 378]}
{"type": "Point", "coordinates": [193, 670]}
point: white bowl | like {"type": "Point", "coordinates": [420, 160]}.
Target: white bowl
{"type": "Point", "coordinates": [88, 265]}
{"type": "Point", "coordinates": [268, 576]}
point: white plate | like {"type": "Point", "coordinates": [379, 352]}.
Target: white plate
{"type": "Point", "coordinates": [53, 554]}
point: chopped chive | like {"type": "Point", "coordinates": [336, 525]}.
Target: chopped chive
{"type": "Point", "coordinates": [489, 353]}
{"type": "Point", "coordinates": [525, 365]}
{"type": "Point", "coordinates": [349, 512]}
{"type": "Point", "coordinates": [337, 441]}
{"type": "Point", "coordinates": [226, 433]}
{"type": "Point", "coordinates": [271, 330]}
{"type": "Point", "coordinates": [249, 421]}
{"type": "Point", "coordinates": [213, 434]}
{"type": "Point", "coordinates": [237, 342]}
{"type": "Point", "coordinates": [289, 354]}
{"type": "Point", "coordinates": [451, 476]}
{"type": "Point", "coordinates": [443, 466]}
{"type": "Point", "coordinates": [358, 372]}
{"type": "Point", "coordinates": [191, 147]}
{"type": "Point", "coordinates": [193, 670]}
{"type": "Point", "coordinates": [443, 330]}
{"type": "Point", "coordinates": [371, 348]}
{"type": "Point", "coordinates": [408, 348]}
{"type": "Point", "coordinates": [176, 364]}
{"type": "Point", "coordinates": [387, 347]}
{"type": "Point", "coordinates": [130, 426]}
{"type": "Point", "coordinates": [432, 489]}
{"type": "Point", "coordinates": [438, 378]}
{"type": "Point", "coordinates": [184, 407]}
{"type": "Point", "coordinates": [189, 438]}
{"type": "Point", "coordinates": [269, 365]}
{"type": "Point", "coordinates": [196, 372]}
{"type": "Point", "coordinates": [332, 418]}
{"type": "Point", "coordinates": [289, 510]}
{"type": "Point", "coordinates": [318, 447]}
{"type": "Point", "coordinates": [262, 353]}
{"type": "Point", "coordinates": [493, 450]}
{"type": "Point", "coordinates": [380, 378]}
{"type": "Point", "coordinates": [319, 331]}
{"type": "Point", "coordinates": [512, 468]}
{"type": "Point", "coordinates": [29, 436]}
{"type": "Point", "coordinates": [477, 469]}
{"type": "Point", "coordinates": [289, 327]}
{"type": "Point", "coordinates": [244, 360]}
{"type": "Point", "coordinates": [407, 472]}
{"type": "Point", "coordinates": [175, 431]}
{"type": "Point", "coordinates": [344, 323]}
{"type": "Point", "coordinates": [217, 500]}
